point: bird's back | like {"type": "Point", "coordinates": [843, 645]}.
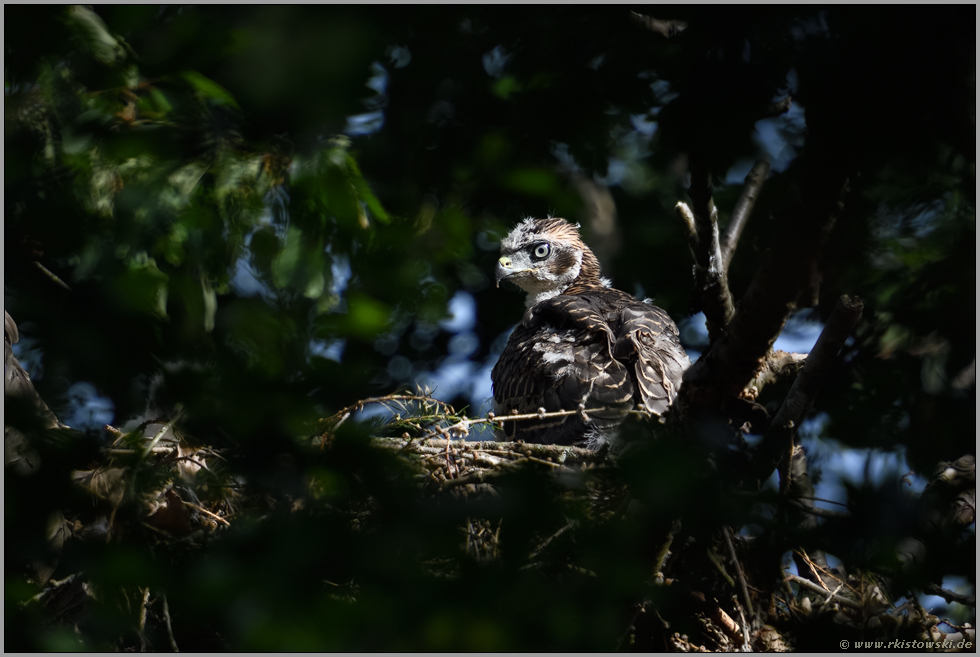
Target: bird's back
{"type": "Point", "coordinates": [591, 347]}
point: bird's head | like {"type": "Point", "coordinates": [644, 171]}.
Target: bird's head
{"type": "Point", "coordinates": [544, 257]}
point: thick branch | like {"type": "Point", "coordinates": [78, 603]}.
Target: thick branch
{"type": "Point", "coordinates": [736, 357]}
{"type": "Point", "coordinates": [952, 596]}
{"type": "Point", "coordinates": [743, 208]}
{"type": "Point", "coordinates": [778, 366]}
{"type": "Point", "coordinates": [778, 448]}
{"type": "Point", "coordinates": [711, 282]}
{"type": "Point", "coordinates": [779, 439]}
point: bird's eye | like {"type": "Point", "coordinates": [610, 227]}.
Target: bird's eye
{"type": "Point", "coordinates": [541, 251]}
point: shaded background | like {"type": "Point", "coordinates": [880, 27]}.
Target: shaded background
{"type": "Point", "coordinates": [305, 203]}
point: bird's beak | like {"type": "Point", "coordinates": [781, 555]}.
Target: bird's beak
{"type": "Point", "coordinates": [503, 269]}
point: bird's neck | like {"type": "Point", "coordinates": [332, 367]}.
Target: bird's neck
{"type": "Point", "coordinates": [585, 281]}
{"type": "Point", "coordinates": [537, 295]}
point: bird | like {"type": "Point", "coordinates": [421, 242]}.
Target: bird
{"type": "Point", "coordinates": [581, 346]}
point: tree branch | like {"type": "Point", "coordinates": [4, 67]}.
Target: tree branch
{"type": "Point", "coordinates": [778, 366]}
{"type": "Point", "coordinates": [664, 28]}
{"type": "Point", "coordinates": [731, 362]}
{"type": "Point", "coordinates": [779, 439]}
{"type": "Point", "coordinates": [743, 208]}
{"type": "Point", "coordinates": [952, 596]}
{"type": "Point", "coordinates": [807, 584]}
{"type": "Point", "coordinates": [711, 282]}
{"type": "Point", "coordinates": [726, 532]}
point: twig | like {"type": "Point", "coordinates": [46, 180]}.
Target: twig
{"type": "Point", "coordinates": [952, 596]}
{"type": "Point", "coordinates": [123, 451]}
{"type": "Point", "coordinates": [560, 454]}
{"type": "Point", "coordinates": [820, 513]}
{"type": "Point", "coordinates": [738, 571]}
{"type": "Point", "coordinates": [170, 630]}
{"type": "Point", "coordinates": [622, 645]}
{"type": "Point", "coordinates": [162, 532]}
{"type": "Point", "coordinates": [538, 550]}
{"type": "Point", "coordinates": [478, 477]}
{"type": "Point", "coordinates": [807, 584]}
{"type": "Point", "coordinates": [206, 512]}
{"type": "Point", "coordinates": [52, 276]}
{"type": "Point", "coordinates": [720, 567]}
{"type": "Point", "coordinates": [743, 208]}
{"type": "Point", "coordinates": [146, 601]}
{"type": "Point", "coordinates": [661, 556]}
{"type": "Point", "coordinates": [160, 434]}
{"type": "Point", "coordinates": [383, 400]}
{"type": "Point", "coordinates": [745, 628]}
{"type": "Point", "coordinates": [821, 499]}
{"type": "Point", "coordinates": [119, 434]}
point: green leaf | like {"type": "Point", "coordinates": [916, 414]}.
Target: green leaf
{"type": "Point", "coordinates": [160, 101]}
{"type": "Point", "coordinates": [285, 264]}
{"type": "Point", "coordinates": [366, 316]}
{"type": "Point", "coordinates": [143, 288]}
{"type": "Point", "coordinates": [505, 86]}
{"type": "Point", "coordinates": [365, 193]}
{"type": "Point", "coordinates": [209, 89]}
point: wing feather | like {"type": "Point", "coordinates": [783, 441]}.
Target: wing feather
{"type": "Point", "coordinates": [596, 346]}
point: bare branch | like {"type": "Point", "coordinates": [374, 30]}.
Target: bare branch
{"type": "Point", "coordinates": [952, 596]}
{"type": "Point", "coordinates": [778, 366]}
{"type": "Point", "coordinates": [820, 513]}
{"type": "Point", "coordinates": [711, 282]}
{"type": "Point", "coordinates": [736, 357]}
{"type": "Point", "coordinates": [796, 487]}
{"type": "Point", "coordinates": [738, 570]}
{"type": "Point", "coordinates": [664, 549]}
{"type": "Point", "coordinates": [779, 439]}
{"type": "Point", "coordinates": [559, 454]}
{"type": "Point", "coordinates": [807, 584]}
{"type": "Point", "coordinates": [170, 629]}
{"type": "Point", "coordinates": [51, 276]}
{"type": "Point", "coordinates": [743, 208]}
{"type": "Point", "coordinates": [664, 28]}
{"type": "Point", "coordinates": [684, 212]}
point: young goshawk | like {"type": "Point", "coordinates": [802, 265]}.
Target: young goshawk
{"type": "Point", "coordinates": [580, 345]}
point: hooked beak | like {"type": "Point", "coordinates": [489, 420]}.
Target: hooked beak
{"type": "Point", "coordinates": [504, 269]}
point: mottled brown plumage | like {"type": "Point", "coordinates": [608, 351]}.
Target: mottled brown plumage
{"type": "Point", "coordinates": [581, 343]}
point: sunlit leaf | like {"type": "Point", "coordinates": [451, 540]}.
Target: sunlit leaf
{"type": "Point", "coordinates": [209, 89]}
